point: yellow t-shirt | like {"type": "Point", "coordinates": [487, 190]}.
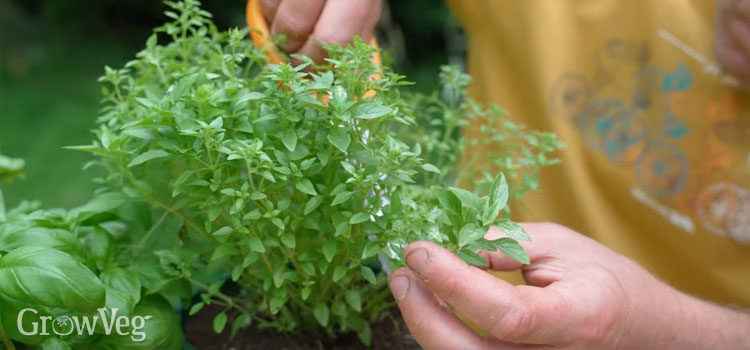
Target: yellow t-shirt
{"type": "Point", "coordinates": [657, 165]}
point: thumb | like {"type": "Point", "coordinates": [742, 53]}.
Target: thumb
{"type": "Point", "coordinates": [519, 314]}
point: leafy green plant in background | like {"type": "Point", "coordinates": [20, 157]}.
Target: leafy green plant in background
{"type": "Point", "coordinates": [222, 167]}
{"type": "Point", "coordinates": [70, 263]}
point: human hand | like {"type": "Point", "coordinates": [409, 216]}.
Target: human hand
{"type": "Point", "coordinates": [580, 294]}
{"type": "Point", "coordinates": [733, 38]}
{"type": "Point", "coordinates": [308, 24]}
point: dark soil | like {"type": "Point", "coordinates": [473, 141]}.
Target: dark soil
{"type": "Point", "coordinates": [385, 335]}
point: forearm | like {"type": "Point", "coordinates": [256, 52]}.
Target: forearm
{"type": "Point", "coordinates": [709, 326]}
{"type": "Point", "coordinates": [666, 318]}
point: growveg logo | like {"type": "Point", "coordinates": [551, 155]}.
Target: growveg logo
{"type": "Point", "coordinates": [108, 321]}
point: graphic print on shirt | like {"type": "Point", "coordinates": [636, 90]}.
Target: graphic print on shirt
{"type": "Point", "coordinates": [639, 115]}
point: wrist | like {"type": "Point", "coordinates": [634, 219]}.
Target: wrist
{"type": "Point", "coordinates": [665, 318]}
{"type": "Point", "coordinates": [708, 325]}
{"type": "Point", "coordinates": [702, 324]}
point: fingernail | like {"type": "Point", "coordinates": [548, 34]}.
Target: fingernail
{"type": "Point", "coordinates": [417, 260]}
{"type": "Point", "coordinates": [399, 287]}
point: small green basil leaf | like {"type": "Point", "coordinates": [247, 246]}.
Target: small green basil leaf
{"type": "Point", "coordinates": [196, 308]}
{"type": "Point", "coordinates": [353, 299]}
{"type": "Point", "coordinates": [468, 199]}
{"type": "Point", "coordinates": [431, 168]}
{"type": "Point", "coordinates": [256, 244]}
{"type": "Point", "coordinates": [341, 197]}
{"type": "Point", "coordinates": [496, 201]}
{"type": "Point", "coordinates": [288, 240]}
{"type": "Point", "coordinates": [329, 250]}
{"type": "Point", "coordinates": [321, 313]}
{"type": "Point", "coordinates": [103, 202]}
{"type": "Point", "coordinates": [339, 272]}
{"type": "Point", "coordinates": [513, 230]}
{"type": "Point", "coordinates": [146, 156]}
{"type": "Point", "coordinates": [470, 233]}
{"type": "Point", "coordinates": [305, 293]}
{"type": "Point", "coordinates": [305, 186]}
{"type": "Point", "coordinates": [340, 139]}
{"type": "Point", "coordinates": [223, 231]}
{"type": "Point", "coordinates": [471, 258]}
{"type": "Point", "coordinates": [220, 321]}
{"type": "Point", "coordinates": [371, 110]}
{"type": "Point", "coordinates": [450, 204]}
{"type": "Point", "coordinates": [368, 274]}
{"type": "Point", "coordinates": [511, 248]}
{"type": "Point", "coordinates": [289, 139]}
{"type": "Point", "coordinates": [313, 203]}
{"type": "Point", "coordinates": [371, 249]}
{"type": "Point", "coordinates": [241, 321]}
{"type": "Point", "coordinates": [359, 218]}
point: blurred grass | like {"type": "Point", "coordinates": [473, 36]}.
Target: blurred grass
{"type": "Point", "coordinates": [47, 105]}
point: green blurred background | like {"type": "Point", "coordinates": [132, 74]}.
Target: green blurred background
{"type": "Point", "coordinates": [52, 51]}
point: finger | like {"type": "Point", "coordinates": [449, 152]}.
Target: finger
{"type": "Point", "coordinates": [269, 7]}
{"type": "Point", "coordinates": [522, 314]}
{"type": "Point", "coordinates": [734, 62]}
{"type": "Point", "coordinates": [340, 21]}
{"type": "Point", "coordinates": [537, 274]}
{"type": "Point", "coordinates": [296, 19]}
{"type": "Point", "coordinates": [433, 326]}
{"type": "Point", "coordinates": [731, 57]}
{"type": "Point", "coordinates": [732, 39]}
{"type": "Point", "coordinates": [371, 21]}
{"type": "Point", "coordinates": [739, 30]}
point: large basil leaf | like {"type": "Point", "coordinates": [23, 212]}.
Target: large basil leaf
{"type": "Point", "coordinates": [42, 236]}
{"type": "Point", "coordinates": [42, 276]}
{"type": "Point", "coordinates": [116, 299]}
{"type": "Point", "coordinates": [30, 320]}
{"type": "Point", "coordinates": [160, 332]}
{"type": "Point", "coordinates": [100, 244]}
{"type": "Point", "coordinates": [124, 281]}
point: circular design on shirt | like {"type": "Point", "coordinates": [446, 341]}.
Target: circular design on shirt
{"type": "Point", "coordinates": [569, 95]}
{"type": "Point", "coordinates": [724, 210]}
{"type": "Point", "coordinates": [614, 129]}
{"type": "Point", "coordinates": [662, 169]}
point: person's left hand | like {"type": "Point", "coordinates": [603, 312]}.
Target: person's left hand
{"type": "Point", "coordinates": [580, 294]}
{"type": "Point", "coordinates": [733, 38]}
{"type": "Point", "coordinates": [308, 24]}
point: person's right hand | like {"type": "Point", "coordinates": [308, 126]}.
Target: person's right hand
{"type": "Point", "coordinates": [308, 24]}
{"type": "Point", "coordinates": [580, 295]}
